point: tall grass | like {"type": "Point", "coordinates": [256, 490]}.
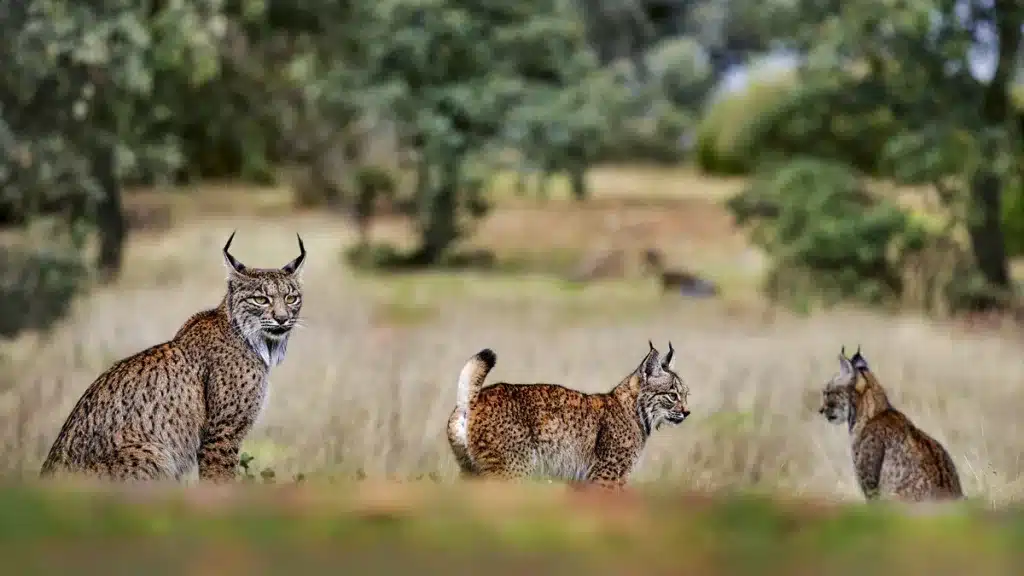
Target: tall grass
{"type": "Point", "coordinates": [365, 391]}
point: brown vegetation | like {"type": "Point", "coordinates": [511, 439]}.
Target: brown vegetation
{"type": "Point", "coordinates": [369, 382]}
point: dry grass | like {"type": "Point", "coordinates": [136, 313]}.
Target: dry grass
{"type": "Point", "coordinates": [368, 384]}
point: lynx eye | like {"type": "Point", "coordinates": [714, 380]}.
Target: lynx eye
{"type": "Point", "coordinates": [291, 299]}
{"type": "Point", "coordinates": [259, 300]}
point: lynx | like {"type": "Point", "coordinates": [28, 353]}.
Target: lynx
{"type": "Point", "coordinates": [893, 459]}
{"type": "Point", "coordinates": [188, 403]}
{"type": "Point", "coordinates": [512, 431]}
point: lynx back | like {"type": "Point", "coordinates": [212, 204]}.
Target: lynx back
{"type": "Point", "coordinates": [512, 431]}
{"type": "Point", "coordinates": [892, 457]}
{"type": "Point", "coordinates": [187, 403]}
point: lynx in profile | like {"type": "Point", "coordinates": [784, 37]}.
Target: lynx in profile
{"type": "Point", "coordinates": [189, 402]}
{"type": "Point", "coordinates": [512, 431]}
{"type": "Point", "coordinates": [893, 459]}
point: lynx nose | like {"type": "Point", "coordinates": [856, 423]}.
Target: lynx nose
{"type": "Point", "coordinates": [281, 320]}
{"type": "Point", "coordinates": [686, 413]}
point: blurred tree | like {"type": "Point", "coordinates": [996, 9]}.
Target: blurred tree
{"type": "Point", "coordinates": [728, 31]}
{"type": "Point", "coordinates": [452, 74]}
{"type": "Point", "coordinates": [79, 98]}
{"type": "Point", "coordinates": [898, 81]}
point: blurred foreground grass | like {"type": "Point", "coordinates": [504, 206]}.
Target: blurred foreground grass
{"type": "Point", "coordinates": [422, 528]}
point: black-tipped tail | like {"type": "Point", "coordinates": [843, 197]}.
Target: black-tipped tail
{"type": "Point", "coordinates": [472, 377]}
{"type": "Point", "coordinates": [488, 357]}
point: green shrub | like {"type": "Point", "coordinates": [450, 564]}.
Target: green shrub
{"type": "Point", "coordinates": [830, 241]}
{"type": "Point", "coordinates": [37, 287]}
{"type": "Point", "coordinates": [723, 146]}
{"type": "Point", "coordinates": [1013, 219]}
{"type": "Point", "coordinates": [778, 117]}
{"type": "Point", "coordinates": [681, 69]}
{"type": "Point", "coordinates": [654, 137]}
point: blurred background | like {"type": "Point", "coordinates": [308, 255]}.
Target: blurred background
{"type": "Point", "coordinates": [759, 181]}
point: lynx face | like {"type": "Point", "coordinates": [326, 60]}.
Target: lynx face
{"type": "Point", "coordinates": [837, 397]}
{"type": "Point", "coordinates": [663, 395]}
{"type": "Point", "coordinates": [265, 303]}
{"type": "Point", "coordinates": [835, 402]}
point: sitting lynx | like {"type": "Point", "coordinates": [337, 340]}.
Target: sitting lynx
{"type": "Point", "coordinates": [512, 431]}
{"type": "Point", "coordinates": [187, 403]}
{"type": "Point", "coordinates": [893, 459]}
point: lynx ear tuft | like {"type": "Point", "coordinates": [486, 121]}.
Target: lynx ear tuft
{"type": "Point", "coordinates": [230, 261]}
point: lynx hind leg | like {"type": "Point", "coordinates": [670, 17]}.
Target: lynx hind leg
{"type": "Point", "coordinates": [502, 463]}
{"type": "Point", "coordinates": [137, 462]}
{"type": "Point", "coordinates": [466, 468]}
{"type": "Point", "coordinates": [455, 442]}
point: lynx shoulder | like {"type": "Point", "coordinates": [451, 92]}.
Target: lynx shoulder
{"type": "Point", "coordinates": [513, 431]}
{"type": "Point", "coordinates": [187, 403]}
{"type": "Point", "coordinates": [893, 458]}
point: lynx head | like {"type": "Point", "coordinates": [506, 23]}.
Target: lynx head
{"type": "Point", "coordinates": [852, 390]}
{"type": "Point", "coordinates": [264, 303]}
{"type": "Point", "coordinates": [662, 394]}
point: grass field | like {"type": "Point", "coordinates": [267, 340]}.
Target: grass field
{"type": "Point", "coordinates": [368, 383]}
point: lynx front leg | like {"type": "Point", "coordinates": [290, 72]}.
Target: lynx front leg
{"type": "Point", "coordinates": [218, 455]}
{"type": "Point", "coordinates": [139, 462]}
{"type": "Point", "coordinates": [610, 474]}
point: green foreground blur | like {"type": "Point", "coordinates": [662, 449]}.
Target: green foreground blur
{"type": "Point", "coordinates": [476, 529]}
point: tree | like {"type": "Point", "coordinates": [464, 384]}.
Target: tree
{"type": "Point", "coordinates": [79, 97]}
{"type": "Point", "coordinates": [452, 74]}
{"type": "Point", "coordinates": [896, 79]}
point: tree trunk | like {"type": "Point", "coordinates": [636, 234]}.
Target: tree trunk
{"type": "Point", "coordinates": [110, 218]}
{"type": "Point", "coordinates": [438, 214]}
{"type": "Point", "coordinates": [578, 177]}
{"type": "Point", "coordinates": [985, 222]}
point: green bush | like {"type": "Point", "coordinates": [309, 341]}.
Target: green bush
{"type": "Point", "coordinates": [1013, 219]}
{"type": "Point", "coordinates": [723, 147]}
{"type": "Point", "coordinates": [1013, 204]}
{"type": "Point", "coordinates": [779, 117]}
{"type": "Point", "coordinates": [681, 69]}
{"type": "Point", "coordinates": [653, 138]}
{"type": "Point", "coordinates": [830, 240]}
{"type": "Point", "coordinates": [37, 287]}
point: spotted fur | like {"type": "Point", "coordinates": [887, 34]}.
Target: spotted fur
{"type": "Point", "coordinates": [893, 458]}
{"type": "Point", "coordinates": [512, 431]}
{"type": "Point", "coordinates": [188, 403]}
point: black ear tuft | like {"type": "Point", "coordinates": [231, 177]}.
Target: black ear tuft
{"type": "Point", "coordinates": [845, 366]}
{"type": "Point", "coordinates": [229, 259]}
{"type": "Point", "coordinates": [859, 362]}
{"type": "Point", "coordinates": [667, 362]}
{"type": "Point", "coordinates": [651, 364]}
{"type": "Point", "coordinates": [295, 265]}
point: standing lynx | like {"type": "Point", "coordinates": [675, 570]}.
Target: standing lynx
{"type": "Point", "coordinates": [189, 402]}
{"type": "Point", "coordinates": [893, 459]}
{"type": "Point", "coordinates": [512, 431]}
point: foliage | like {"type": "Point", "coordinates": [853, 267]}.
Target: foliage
{"type": "Point", "coordinates": [82, 95]}
{"type": "Point", "coordinates": [1013, 220]}
{"type": "Point", "coordinates": [681, 69]}
{"type": "Point", "coordinates": [37, 286]}
{"type": "Point", "coordinates": [454, 75]}
{"type": "Point", "coordinates": [830, 240]}
{"type": "Point", "coordinates": [892, 92]}
{"type": "Point", "coordinates": [724, 140]}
